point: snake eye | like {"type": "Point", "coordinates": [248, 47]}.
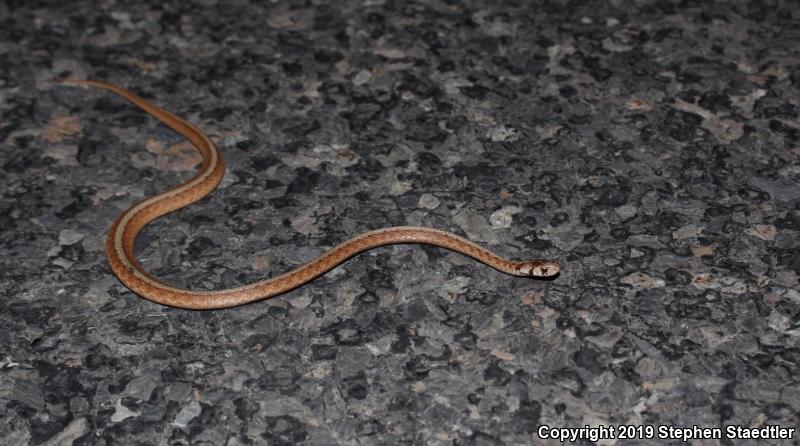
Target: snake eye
{"type": "Point", "coordinates": [544, 270]}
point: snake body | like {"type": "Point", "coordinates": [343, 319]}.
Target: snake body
{"type": "Point", "coordinates": [122, 235]}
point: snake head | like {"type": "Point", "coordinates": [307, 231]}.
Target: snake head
{"type": "Point", "coordinates": [539, 268]}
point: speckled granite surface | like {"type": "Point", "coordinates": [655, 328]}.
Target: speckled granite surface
{"type": "Point", "coordinates": [653, 149]}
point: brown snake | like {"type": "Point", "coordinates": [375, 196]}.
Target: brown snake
{"type": "Point", "coordinates": [123, 233]}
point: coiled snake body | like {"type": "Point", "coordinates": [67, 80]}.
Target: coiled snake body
{"type": "Point", "coordinates": [123, 233]}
